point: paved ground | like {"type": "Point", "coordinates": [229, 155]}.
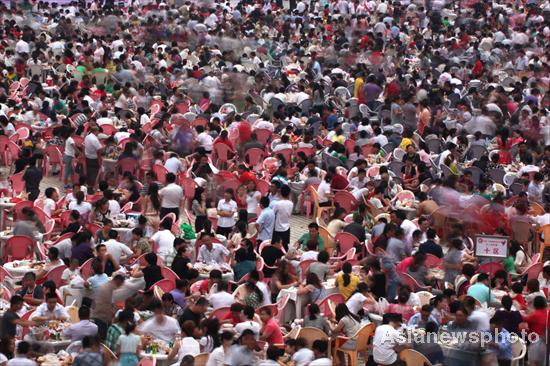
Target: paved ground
{"type": "Point", "coordinates": [297, 228]}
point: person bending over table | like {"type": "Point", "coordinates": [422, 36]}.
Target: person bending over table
{"type": "Point", "coordinates": [50, 310]}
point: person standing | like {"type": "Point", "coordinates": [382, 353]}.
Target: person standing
{"type": "Point", "coordinates": [171, 197]}
{"type": "Point", "coordinates": [283, 211]}
{"type": "Point", "coordinates": [103, 310]}
{"type": "Point", "coordinates": [266, 221]}
{"type": "Point", "coordinates": [227, 208]}
{"type": "Point", "coordinates": [32, 178]}
{"type": "Point", "coordinates": [92, 151]}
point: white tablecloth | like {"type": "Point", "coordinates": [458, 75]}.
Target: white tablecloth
{"type": "Point", "coordinates": [17, 269]}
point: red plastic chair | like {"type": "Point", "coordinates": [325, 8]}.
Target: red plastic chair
{"type": "Point", "coordinates": [168, 274]}
{"type": "Point", "coordinates": [263, 135]}
{"type": "Point", "coordinates": [196, 287]}
{"type": "Point", "coordinates": [160, 171]}
{"type": "Point", "coordinates": [26, 316]}
{"type": "Point", "coordinates": [54, 275]}
{"type": "Point", "coordinates": [189, 186]}
{"type": "Point", "coordinates": [490, 268]}
{"type": "Point", "coordinates": [432, 261]}
{"type": "Point", "coordinates": [4, 143]}
{"type": "Point", "coordinates": [253, 157]}
{"type": "Point", "coordinates": [325, 304]}
{"type": "Point", "coordinates": [108, 129]}
{"type": "Point", "coordinates": [346, 201]}
{"type": "Point", "coordinates": [19, 206]}
{"type": "Point", "coordinates": [286, 153]}
{"type": "Point", "coordinates": [274, 309]}
{"type": "Point", "coordinates": [409, 281]}
{"type": "Point", "coordinates": [304, 267]}
{"type": "Point", "coordinates": [220, 313]}
{"type": "Point", "coordinates": [127, 207]}
{"type": "Point", "coordinates": [86, 269]}
{"type": "Point", "coordinates": [127, 165]}
{"type": "Point", "coordinates": [349, 144]}
{"type": "Point", "coordinates": [13, 151]}
{"type": "Point", "coordinates": [42, 216]}
{"type": "Point", "coordinates": [52, 156]}
{"type": "Point", "coordinates": [221, 154]}
{"type": "Point", "coordinates": [18, 247]}
{"type": "Point", "coordinates": [346, 241]}
{"type": "Point", "coordinates": [4, 274]}
{"type": "Point", "coordinates": [533, 271]}
{"type": "Point", "coordinates": [166, 285]}
{"type": "Point", "coordinates": [142, 262]}
{"type": "Point", "coordinates": [306, 150]}
{"type": "Point", "coordinates": [263, 187]}
{"type": "Point", "coordinates": [93, 228]}
{"type": "Point", "coordinates": [17, 183]}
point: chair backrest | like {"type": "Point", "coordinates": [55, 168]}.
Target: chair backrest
{"type": "Point", "coordinates": [331, 300]}
{"type": "Point", "coordinates": [166, 285]}
{"type": "Point", "coordinates": [17, 182]}
{"type": "Point", "coordinates": [490, 268]}
{"type": "Point", "coordinates": [86, 269]}
{"type": "Point", "coordinates": [363, 336]}
{"type": "Point", "coordinates": [54, 275]}
{"type": "Point", "coordinates": [534, 271]}
{"type": "Point", "coordinates": [201, 359]}
{"type": "Point", "coordinates": [160, 171]}
{"type": "Point", "coordinates": [263, 135]}
{"type": "Point", "coordinates": [519, 349]}
{"type": "Point", "coordinates": [19, 207]}
{"type": "Point", "coordinates": [254, 156]}
{"type": "Point", "coordinates": [127, 165]}
{"type": "Point", "coordinates": [167, 273]}
{"type": "Point", "coordinates": [220, 313]}
{"type": "Point", "coordinates": [311, 334]}
{"type": "Point", "coordinates": [304, 267]}
{"type": "Point", "coordinates": [424, 297]}
{"type": "Point", "coordinates": [414, 358]}
{"type": "Point", "coordinates": [408, 280]}
{"type": "Point", "coordinates": [18, 247]}
{"type": "Point", "coordinates": [286, 153]}
{"type": "Point", "coordinates": [346, 241]}
{"type": "Point", "coordinates": [222, 152]}
{"type": "Point", "coordinates": [346, 201]}
{"type": "Point", "coordinates": [433, 261]}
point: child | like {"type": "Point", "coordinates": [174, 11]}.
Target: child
{"type": "Point", "coordinates": [129, 346]}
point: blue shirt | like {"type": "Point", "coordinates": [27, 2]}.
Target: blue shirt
{"type": "Point", "coordinates": [179, 298]}
{"type": "Point", "coordinates": [416, 321]}
{"type": "Point", "coordinates": [480, 292]}
{"type": "Point", "coordinates": [97, 281]}
{"type": "Point", "coordinates": [266, 220]}
{"type": "Point", "coordinates": [504, 350]}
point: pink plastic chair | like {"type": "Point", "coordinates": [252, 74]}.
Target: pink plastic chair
{"type": "Point", "coordinates": [168, 274]}
{"type": "Point", "coordinates": [166, 285]}
{"type": "Point", "coordinates": [54, 275]}
{"type": "Point", "coordinates": [490, 268]}
{"type": "Point", "coordinates": [127, 165]}
{"type": "Point", "coordinates": [533, 271]}
{"type": "Point", "coordinates": [263, 187]}
{"type": "Point", "coordinates": [346, 241]}
{"type": "Point", "coordinates": [335, 299]}
{"type": "Point", "coordinates": [160, 171]}
{"type": "Point", "coordinates": [409, 281]}
{"type": "Point", "coordinates": [86, 269]}
{"type": "Point", "coordinates": [108, 129]}
{"type": "Point", "coordinates": [142, 262]}
{"type": "Point", "coordinates": [221, 153]}
{"type": "Point", "coordinates": [52, 156]}
{"type": "Point", "coordinates": [346, 201]}
{"type": "Point", "coordinates": [306, 150]}
{"type": "Point", "coordinates": [253, 157]}
{"type": "Point", "coordinates": [286, 153]}
{"type": "Point", "coordinates": [17, 183]}
{"type": "Point", "coordinates": [220, 313]}
{"type": "Point", "coordinates": [18, 247]}
{"type": "Point", "coordinates": [127, 207]}
{"type": "Point", "coordinates": [304, 267]}
{"type": "Point", "coordinates": [432, 261]}
{"type": "Point", "coordinates": [263, 135]}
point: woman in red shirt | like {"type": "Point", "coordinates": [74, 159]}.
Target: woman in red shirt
{"type": "Point", "coordinates": [271, 332]}
{"type": "Point", "coordinates": [536, 322]}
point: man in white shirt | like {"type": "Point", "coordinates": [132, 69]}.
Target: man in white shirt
{"type": "Point", "coordinates": [222, 298]}
{"type": "Point", "coordinates": [163, 239]}
{"type": "Point", "coordinates": [283, 211]}
{"type": "Point", "coordinates": [115, 248]}
{"type": "Point", "coordinates": [92, 150]}
{"type": "Point", "coordinates": [227, 208]}
{"type": "Point", "coordinates": [173, 164]}
{"type": "Point", "coordinates": [209, 252]}
{"type": "Point", "coordinates": [283, 145]}
{"type": "Point", "coordinates": [160, 326]}
{"type": "Point", "coordinates": [22, 358]}
{"type": "Point", "coordinates": [50, 202]}
{"type": "Point", "coordinates": [387, 340]}
{"type": "Point", "coordinates": [248, 322]}
{"type": "Point", "coordinates": [22, 47]}
{"type": "Point", "coordinates": [204, 139]}
{"type": "Point", "coordinates": [50, 310]}
{"type": "Point", "coordinates": [171, 197]}
{"type": "Point", "coordinates": [301, 355]}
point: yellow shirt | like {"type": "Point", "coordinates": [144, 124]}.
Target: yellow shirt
{"type": "Point", "coordinates": [358, 84]}
{"type": "Point", "coordinates": [340, 139]}
{"type": "Point", "coordinates": [348, 290]}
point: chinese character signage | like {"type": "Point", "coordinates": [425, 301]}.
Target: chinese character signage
{"type": "Point", "coordinates": [491, 246]}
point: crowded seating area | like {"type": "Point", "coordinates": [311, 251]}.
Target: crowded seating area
{"type": "Point", "coordinates": [256, 183]}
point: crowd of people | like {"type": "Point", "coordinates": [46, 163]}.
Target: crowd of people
{"type": "Point", "coordinates": [274, 183]}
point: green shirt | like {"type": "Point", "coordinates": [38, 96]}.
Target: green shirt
{"type": "Point", "coordinates": [113, 333]}
{"type": "Point", "coordinates": [305, 238]}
